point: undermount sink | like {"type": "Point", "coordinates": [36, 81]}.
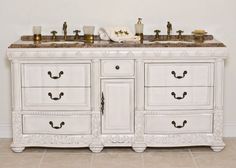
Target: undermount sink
{"type": "Point", "coordinates": [62, 42]}
{"type": "Point", "coordinates": [174, 42]}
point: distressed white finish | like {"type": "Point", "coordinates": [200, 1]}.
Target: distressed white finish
{"type": "Point", "coordinates": [197, 74]}
{"type": "Point", "coordinates": [113, 68]}
{"type": "Point", "coordinates": [72, 98]}
{"type": "Point", "coordinates": [73, 124]}
{"type": "Point", "coordinates": [36, 75]}
{"type": "Point", "coordinates": [145, 132]}
{"type": "Point", "coordinates": [160, 98]}
{"type": "Point", "coordinates": [118, 112]}
{"type": "Point", "coordinates": [162, 124]}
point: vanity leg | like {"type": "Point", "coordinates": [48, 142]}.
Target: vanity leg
{"type": "Point", "coordinates": [96, 148]}
{"type": "Point", "coordinates": [217, 148]}
{"type": "Point", "coordinates": [17, 149]}
{"type": "Point", "coordinates": [139, 148]}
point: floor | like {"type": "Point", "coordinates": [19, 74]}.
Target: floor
{"type": "Point", "coordinates": [194, 157]}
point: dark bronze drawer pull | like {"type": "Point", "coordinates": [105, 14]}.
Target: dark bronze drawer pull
{"type": "Point", "coordinates": [55, 98]}
{"type": "Point", "coordinates": [55, 77]}
{"type": "Point", "coordinates": [57, 127]}
{"type": "Point", "coordinates": [179, 98]}
{"type": "Point", "coordinates": [179, 77]}
{"type": "Point", "coordinates": [102, 103]}
{"type": "Point", "coordinates": [179, 126]}
{"type": "Point", "coordinates": [117, 67]}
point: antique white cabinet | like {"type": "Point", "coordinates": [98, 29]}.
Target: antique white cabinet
{"type": "Point", "coordinates": [98, 97]}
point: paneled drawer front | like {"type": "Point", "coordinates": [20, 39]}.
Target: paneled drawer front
{"type": "Point", "coordinates": [164, 124]}
{"type": "Point", "coordinates": [110, 68]}
{"type": "Point", "coordinates": [56, 75]}
{"type": "Point", "coordinates": [157, 98]}
{"type": "Point", "coordinates": [43, 124]}
{"type": "Point", "coordinates": [179, 74]}
{"type": "Point", "coordinates": [56, 98]}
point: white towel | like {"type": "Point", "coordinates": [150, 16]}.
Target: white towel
{"type": "Point", "coordinates": [117, 34]}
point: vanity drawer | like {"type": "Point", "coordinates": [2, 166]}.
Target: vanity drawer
{"type": "Point", "coordinates": [165, 124]}
{"type": "Point", "coordinates": [48, 124]}
{"type": "Point", "coordinates": [56, 98]}
{"type": "Point", "coordinates": [179, 74]}
{"type": "Point", "coordinates": [35, 75]}
{"type": "Point", "coordinates": [161, 98]}
{"type": "Point", "coordinates": [114, 68]}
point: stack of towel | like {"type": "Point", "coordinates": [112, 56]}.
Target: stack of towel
{"type": "Point", "coordinates": [117, 34]}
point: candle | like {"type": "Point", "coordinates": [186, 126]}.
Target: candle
{"type": "Point", "coordinates": [37, 29]}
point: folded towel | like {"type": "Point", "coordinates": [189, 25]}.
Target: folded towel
{"type": "Point", "coordinates": [103, 34]}
{"type": "Point", "coordinates": [117, 34]}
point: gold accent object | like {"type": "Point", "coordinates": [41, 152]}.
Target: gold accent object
{"type": "Point", "coordinates": [140, 35]}
{"type": "Point", "coordinates": [64, 28]}
{"type": "Point", "coordinates": [169, 29]}
{"type": "Point", "coordinates": [139, 21]}
{"type": "Point", "coordinates": [76, 37]}
{"type": "Point", "coordinates": [199, 35]}
{"type": "Point", "coordinates": [180, 34]}
{"type": "Point", "coordinates": [37, 37]}
{"type": "Point", "coordinates": [54, 35]}
{"type": "Point", "coordinates": [89, 38]}
{"type": "Point", "coordinates": [157, 35]}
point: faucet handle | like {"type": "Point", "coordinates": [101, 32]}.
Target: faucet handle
{"type": "Point", "coordinates": [157, 33]}
{"type": "Point", "coordinates": [76, 34]}
{"type": "Point", "coordinates": [179, 33]}
{"type": "Point", "coordinates": [53, 34]}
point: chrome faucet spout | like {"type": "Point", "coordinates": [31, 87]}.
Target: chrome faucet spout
{"type": "Point", "coordinates": [65, 30]}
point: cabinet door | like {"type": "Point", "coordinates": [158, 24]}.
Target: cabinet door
{"type": "Point", "coordinates": [118, 111]}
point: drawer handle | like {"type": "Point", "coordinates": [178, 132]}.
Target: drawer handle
{"type": "Point", "coordinates": [117, 67]}
{"type": "Point", "coordinates": [179, 126]}
{"type": "Point", "coordinates": [57, 127]}
{"type": "Point", "coordinates": [55, 98]}
{"type": "Point", "coordinates": [179, 77]}
{"type": "Point", "coordinates": [179, 98]}
{"type": "Point", "coordinates": [102, 103]}
{"type": "Point", "coordinates": [55, 77]}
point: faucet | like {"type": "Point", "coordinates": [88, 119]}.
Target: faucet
{"type": "Point", "coordinates": [65, 30]}
{"type": "Point", "coordinates": [169, 29]}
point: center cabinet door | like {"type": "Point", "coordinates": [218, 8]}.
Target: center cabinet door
{"type": "Point", "coordinates": [118, 111]}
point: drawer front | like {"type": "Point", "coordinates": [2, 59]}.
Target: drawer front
{"type": "Point", "coordinates": [179, 74]}
{"type": "Point", "coordinates": [56, 98]}
{"type": "Point", "coordinates": [56, 75]}
{"type": "Point", "coordinates": [110, 68]}
{"type": "Point", "coordinates": [165, 124]}
{"type": "Point", "coordinates": [157, 98]}
{"type": "Point", "coordinates": [43, 124]}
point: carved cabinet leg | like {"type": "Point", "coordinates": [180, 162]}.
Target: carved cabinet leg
{"type": "Point", "coordinates": [96, 148]}
{"type": "Point", "coordinates": [139, 148]}
{"type": "Point", "coordinates": [217, 148]}
{"type": "Point", "coordinates": [17, 149]}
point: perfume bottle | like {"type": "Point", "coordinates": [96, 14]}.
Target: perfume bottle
{"type": "Point", "coordinates": [139, 29]}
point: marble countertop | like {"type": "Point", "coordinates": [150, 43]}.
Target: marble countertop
{"type": "Point", "coordinates": [27, 42]}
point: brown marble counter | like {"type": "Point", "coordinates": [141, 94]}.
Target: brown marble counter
{"type": "Point", "coordinates": [187, 41]}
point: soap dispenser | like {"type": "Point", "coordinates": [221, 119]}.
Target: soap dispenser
{"type": "Point", "coordinates": [139, 29]}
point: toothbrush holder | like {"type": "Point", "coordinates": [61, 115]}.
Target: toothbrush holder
{"type": "Point", "coordinates": [89, 34]}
